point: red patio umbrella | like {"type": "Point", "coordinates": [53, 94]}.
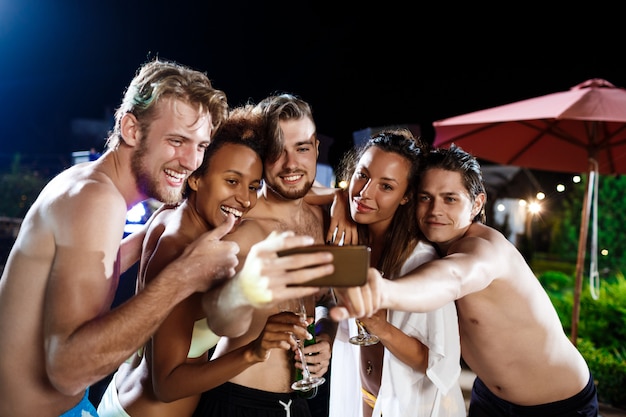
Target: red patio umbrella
{"type": "Point", "coordinates": [579, 130]}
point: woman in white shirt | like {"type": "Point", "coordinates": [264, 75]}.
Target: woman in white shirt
{"type": "Point", "coordinates": [415, 369]}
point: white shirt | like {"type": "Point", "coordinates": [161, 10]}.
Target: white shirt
{"type": "Point", "coordinates": [403, 391]}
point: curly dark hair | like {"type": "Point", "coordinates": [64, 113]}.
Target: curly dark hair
{"type": "Point", "coordinates": [244, 126]}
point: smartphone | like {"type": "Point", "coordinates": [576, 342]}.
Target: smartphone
{"type": "Point", "coordinates": [351, 263]}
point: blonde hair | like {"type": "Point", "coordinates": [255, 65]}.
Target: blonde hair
{"type": "Point", "coordinates": [161, 78]}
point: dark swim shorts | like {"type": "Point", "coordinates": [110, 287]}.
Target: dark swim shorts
{"type": "Point", "coordinates": [485, 404]}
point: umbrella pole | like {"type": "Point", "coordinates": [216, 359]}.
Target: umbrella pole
{"type": "Point", "coordinates": [582, 249]}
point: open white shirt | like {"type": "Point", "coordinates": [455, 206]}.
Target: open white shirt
{"type": "Point", "coordinates": [403, 391]}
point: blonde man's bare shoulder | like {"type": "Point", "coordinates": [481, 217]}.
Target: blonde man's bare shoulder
{"type": "Point", "coordinates": [73, 199]}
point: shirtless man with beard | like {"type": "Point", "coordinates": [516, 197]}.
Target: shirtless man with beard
{"type": "Point", "coordinates": [289, 175]}
{"type": "Point", "coordinates": [511, 336]}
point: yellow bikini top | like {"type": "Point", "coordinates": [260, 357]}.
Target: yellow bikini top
{"type": "Point", "coordinates": [202, 339]}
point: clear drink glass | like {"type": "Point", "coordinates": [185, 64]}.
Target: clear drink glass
{"type": "Point", "coordinates": [363, 338]}
{"type": "Point", "coordinates": [308, 382]}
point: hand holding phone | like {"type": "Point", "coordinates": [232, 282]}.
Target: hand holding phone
{"type": "Point", "coordinates": [351, 264]}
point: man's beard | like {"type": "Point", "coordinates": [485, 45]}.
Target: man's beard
{"type": "Point", "coordinates": [147, 184]}
{"type": "Point", "coordinates": [290, 193]}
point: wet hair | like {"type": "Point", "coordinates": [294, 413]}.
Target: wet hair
{"type": "Point", "coordinates": [244, 126]}
{"type": "Point", "coordinates": [277, 108]}
{"type": "Point", "coordinates": [403, 233]}
{"type": "Point", "coordinates": [158, 79]}
{"type": "Point", "coordinates": [457, 160]}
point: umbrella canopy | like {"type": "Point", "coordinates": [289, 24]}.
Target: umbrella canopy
{"type": "Point", "coordinates": [555, 132]}
{"type": "Point", "coordinates": [579, 130]}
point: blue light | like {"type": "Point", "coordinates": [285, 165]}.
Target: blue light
{"type": "Point", "coordinates": [136, 214]}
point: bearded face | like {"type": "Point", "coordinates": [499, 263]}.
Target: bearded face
{"type": "Point", "coordinates": [149, 179]}
{"type": "Point", "coordinates": [288, 192]}
{"type": "Point", "coordinates": [292, 175]}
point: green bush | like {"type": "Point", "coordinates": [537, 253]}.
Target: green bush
{"type": "Point", "coordinates": [603, 321]}
{"type": "Point", "coordinates": [601, 330]}
{"type": "Point", "coordinates": [18, 190]}
{"type": "Point", "coordinates": [609, 371]}
{"type": "Point", "coordinates": [611, 236]}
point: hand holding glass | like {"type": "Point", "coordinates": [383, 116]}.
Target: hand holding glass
{"type": "Point", "coordinates": [308, 382]}
{"type": "Point", "coordinates": [363, 338]}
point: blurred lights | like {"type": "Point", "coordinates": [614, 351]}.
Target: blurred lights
{"type": "Point", "coordinates": [576, 179]}
{"type": "Point", "coordinates": [534, 207]}
{"type": "Point", "coordinates": [604, 252]}
{"type": "Point", "coordinates": [560, 188]}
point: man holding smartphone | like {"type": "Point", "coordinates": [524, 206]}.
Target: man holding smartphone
{"type": "Point", "coordinates": [511, 335]}
{"type": "Point", "coordinates": [290, 170]}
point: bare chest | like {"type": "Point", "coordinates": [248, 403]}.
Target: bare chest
{"type": "Point", "coordinates": [306, 223]}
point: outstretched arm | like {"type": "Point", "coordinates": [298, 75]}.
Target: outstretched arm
{"type": "Point", "coordinates": [264, 280]}
{"type": "Point", "coordinates": [471, 266]}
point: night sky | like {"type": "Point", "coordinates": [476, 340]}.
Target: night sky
{"type": "Point", "coordinates": [393, 63]}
